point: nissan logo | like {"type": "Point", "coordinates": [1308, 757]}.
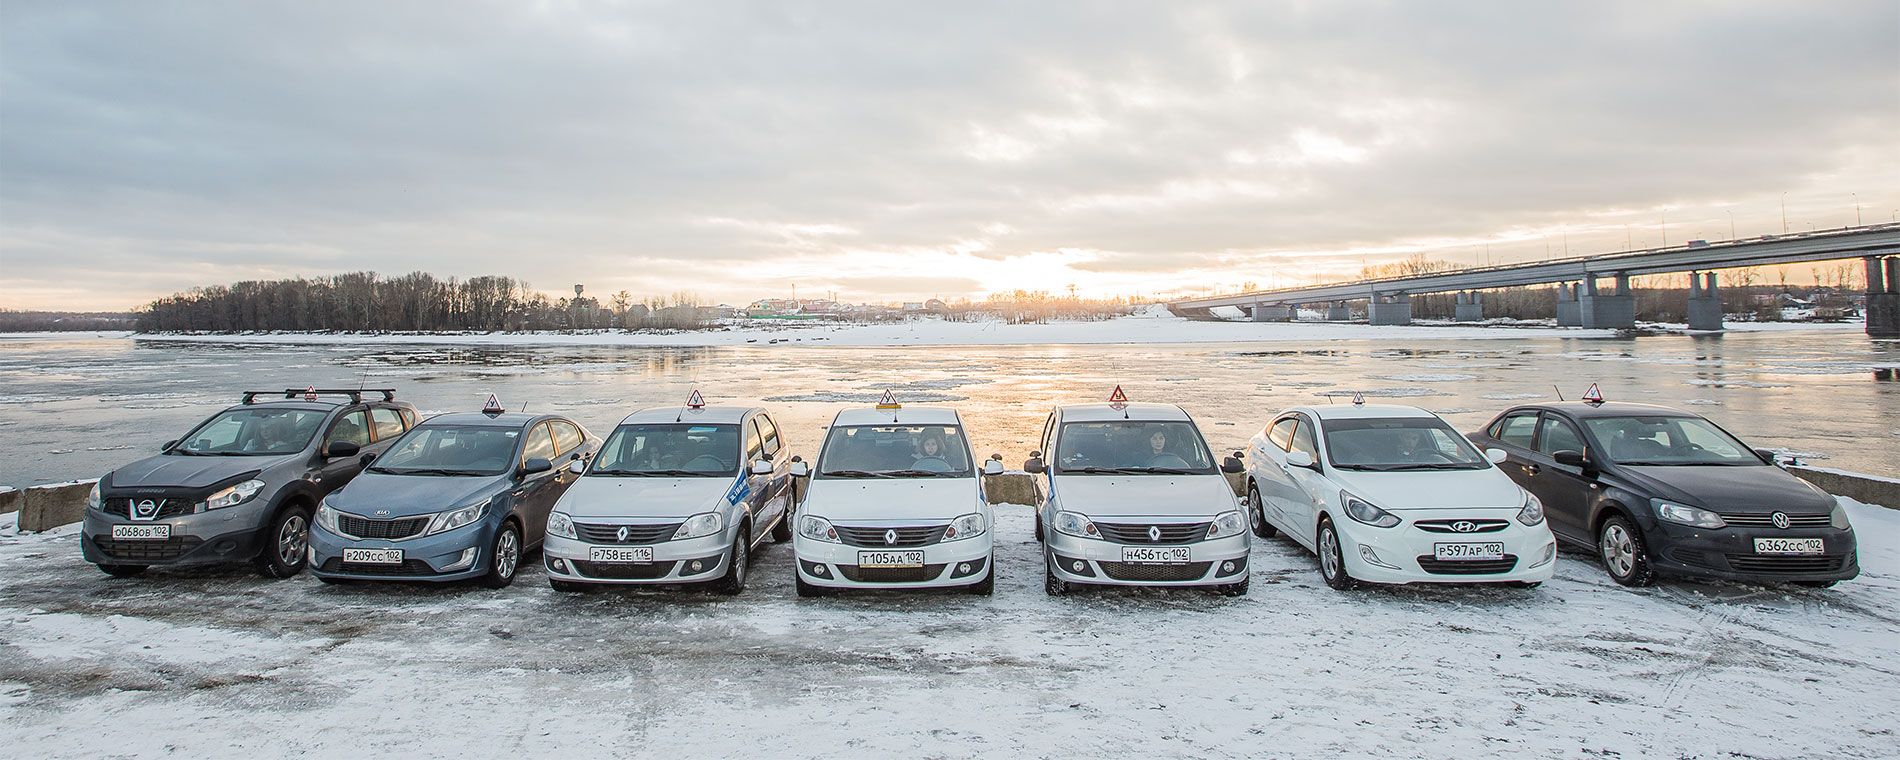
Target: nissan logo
{"type": "Point", "coordinates": [890, 537]}
{"type": "Point", "coordinates": [146, 509]}
{"type": "Point", "coordinates": [1154, 533]}
{"type": "Point", "coordinates": [1780, 519]}
{"type": "Point", "coordinates": [622, 534]}
{"type": "Point", "coordinates": [1464, 526]}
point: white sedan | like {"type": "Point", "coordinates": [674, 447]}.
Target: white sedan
{"type": "Point", "coordinates": [1392, 494]}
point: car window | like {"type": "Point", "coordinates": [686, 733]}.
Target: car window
{"type": "Point", "coordinates": [1132, 446]}
{"type": "Point", "coordinates": [768, 434]}
{"type": "Point", "coordinates": [753, 442]}
{"type": "Point", "coordinates": [1558, 435]}
{"type": "Point", "coordinates": [450, 450]}
{"type": "Point", "coordinates": [895, 451]}
{"type": "Point", "coordinates": [1048, 427]}
{"type": "Point", "coordinates": [678, 450]}
{"type": "Point", "coordinates": [539, 445]}
{"type": "Point", "coordinates": [1303, 439]}
{"type": "Point", "coordinates": [1282, 432]}
{"type": "Point", "coordinates": [408, 418]}
{"type": "Point", "coordinates": [350, 428]}
{"type": "Point", "coordinates": [386, 423]}
{"type": "Point", "coordinates": [1399, 443]}
{"type": "Point", "coordinates": [1518, 429]}
{"type": "Point", "coordinates": [1668, 441]}
{"type": "Point", "coordinates": [252, 431]}
{"type": "Point", "coordinates": [567, 436]}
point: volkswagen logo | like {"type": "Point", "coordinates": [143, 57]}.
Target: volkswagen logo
{"type": "Point", "coordinates": [146, 509]}
{"type": "Point", "coordinates": [890, 537]}
{"type": "Point", "coordinates": [1154, 533]}
{"type": "Point", "coordinates": [1465, 526]}
{"type": "Point", "coordinates": [382, 513]}
{"type": "Point", "coordinates": [622, 534]}
{"type": "Point", "coordinates": [1780, 519]}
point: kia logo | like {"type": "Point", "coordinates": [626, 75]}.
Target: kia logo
{"type": "Point", "coordinates": [890, 537]}
{"type": "Point", "coordinates": [1780, 519]}
{"type": "Point", "coordinates": [1154, 533]}
{"type": "Point", "coordinates": [622, 534]}
{"type": "Point", "coordinates": [382, 513]}
{"type": "Point", "coordinates": [147, 509]}
{"type": "Point", "coordinates": [1464, 526]}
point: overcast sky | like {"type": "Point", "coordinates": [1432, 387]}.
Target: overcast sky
{"type": "Point", "coordinates": [893, 151]}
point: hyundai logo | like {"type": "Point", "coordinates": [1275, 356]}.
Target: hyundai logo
{"type": "Point", "coordinates": [890, 537]}
{"type": "Point", "coordinates": [622, 534]}
{"type": "Point", "coordinates": [1464, 526]}
{"type": "Point", "coordinates": [1780, 519]}
{"type": "Point", "coordinates": [1154, 533]}
{"type": "Point", "coordinates": [146, 509]}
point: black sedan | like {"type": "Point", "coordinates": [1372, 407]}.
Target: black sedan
{"type": "Point", "coordinates": [1658, 491]}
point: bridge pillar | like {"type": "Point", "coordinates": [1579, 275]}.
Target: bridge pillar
{"type": "Point", "coordinates": [1338, 312]}
{"type": "Point", "coordinates": [1394, 309]}
{"type": "Point", "coordinates": [1883, 297]}
{"type": "Point", "coordinates": [1271, 313]}
{"type": "Point", "coordinates": [1705, 304]}
{"type": "Point", "coordinates": [1567, 314]}
{"type": "Point", "coordinates": [1605, 311]}
{"type": "Point", "coordinates": [1470, 307]}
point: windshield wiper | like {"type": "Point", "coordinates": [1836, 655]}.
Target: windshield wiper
{"type": "Point", "coordinates": [1648, 463]}
{"type": "Point", "coordinates": [1108, 470]}
{"type": "Point", "coordinates": [854, 474]}
{"type": "Point", "coordinates": [919, 474]}
{"type": "Point", "coordinates": [443, 471]}
{"type": "Point", "coordinates": [657, 473]}
{"type": "Point", "coordinates": [1429, 466]}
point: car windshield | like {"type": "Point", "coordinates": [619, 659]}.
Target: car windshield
{"type": "Point", "coordinates": [895, 451]}
{"type": "Point", "coordinates": [451, 450]}
{"type": "Point", "coordinates": [669, 451]}
{"type": "Point", "coordinates": [1133, 447]}
{"type": "Point", "coordinates": [1387, 444]}
{"type": "Point", "coordinates": [255, 431]}
{"type": "Point", "coordinates": [1668, 441]}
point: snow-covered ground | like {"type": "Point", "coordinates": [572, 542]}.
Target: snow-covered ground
{"type": "Point", "coordinates": [224, 664]}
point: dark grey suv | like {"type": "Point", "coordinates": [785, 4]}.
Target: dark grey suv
{"type": "Point", "coordinates": [242, 485]}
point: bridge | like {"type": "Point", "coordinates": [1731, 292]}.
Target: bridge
{"type": "Point", "coordinates": [1581, 302]}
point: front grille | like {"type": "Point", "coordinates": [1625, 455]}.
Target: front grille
{"type": "Point", "coordinates": [911, 535]}
{"type": "Point", "coordinates": [1759, 563]}
{"type": "Point", "coordinates": [409, 567]}
{"type": "Point", "coordinates": [1766, 521]}
{"type": "Point", "coordinates": [890, 574]}
{"type": "Point", "coordinates": [1130, 571]}
{"type": "Point", "coordinates": [622, 571]}
{"type": "Point", "coordinates": [1137, 533]}
{"type": "Point", "coordinates": [1445, 526]}
{"type": "Point", "coordinates": [650, 533]}
{"type": "Point", "coordinates": [363, 527]}
{"type": "Point", "coordinates": [147, 551]}
{"type": "Point", "coordinates": [166, 507]}
{"type": "Point", "coordinates": [1436, 566]}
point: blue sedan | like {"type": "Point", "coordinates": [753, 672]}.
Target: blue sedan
{"type": "Point", "coordinates": [459, 497]}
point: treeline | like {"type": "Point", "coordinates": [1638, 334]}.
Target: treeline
{"type": "Point", "coordinates": [12, 320]}
{"type": "Point", "coordinates": [1037, 307]}
{"type": "Point", "coordinates": [419, 301]}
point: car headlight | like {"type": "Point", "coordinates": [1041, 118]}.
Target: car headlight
{"type": "Point", "coordinates": [702, 524]}
{"type": "Point", "coordinates": [235, 495]}
{"type": "Point", "coordinates": [456, 518]}
{"type": "Point", "coordinates": [1227, 524]}
{"type": "Point", "coordinates": [1683, 514]}
{"type": "Point", "coordinates": [1533, 511]}
{"type": "Point", "coordinates": [1362, 511]}
{"type": "Point", "coordinates": [1839, 518]}
{"type": "Point", "coordinates": [1076, 524]}
{"type": "Point", "coordinates": [93, 502]}
{"type": "Point", "coordinates": [559, 524]}
{"type": "Point", "coordinates": [817, 529]}
{"type": "Point", "coordinates": [326, 517]}
{"type": "Point", "coordinates": [967, 526]}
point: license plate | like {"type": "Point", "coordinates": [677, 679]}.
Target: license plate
{"type": "Point", "coordinates": [141, 532]}
{"type": "Point", "coordinates": [1157, 555]}
{"type": "Point", "coordinates": [372, 556]}
{"type": "Point", "coordinates": [1789, 546]}
{"type": "Point", "coordinates": [636, 554]}
{"type": "Point", "coordinates": [891, 559]}
{"type": "Point", "coordinates": [1471, 552]}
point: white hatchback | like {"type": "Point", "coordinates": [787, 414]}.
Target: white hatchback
{"type": "Point", "coordinates": [895, 502]}
{"type": "Point", "coordinates": [1393, 494]}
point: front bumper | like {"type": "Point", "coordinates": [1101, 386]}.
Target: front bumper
{"type": "Point", "coordinates": [946, 565]}
{"type": "Point", "coordinates": [1729, 554]}
{"type": "Point", "coordinates": [1407, 554]}
{"type": "Point", "coordinates": [1214, 562]}
{"type": "Point", "coordinates": [202, 538]}
{"type": "Point", "coordinates": [685, 561]}
{"type": "Point", "coordinates": [455, 555]}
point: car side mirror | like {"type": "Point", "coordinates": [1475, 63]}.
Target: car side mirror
{"type": "Point", "coordinates": [1300, 459]}
{"type": "Point", "coordinates": [1232, 465]}
{"type": "Point", "coordinates": [342, 449]}
{"type": "Point", "coordinates": [1497, 456]}
{"type": "Point", "coordinates": [992, 467]}
{"type": "Point", "coordinates": [1034, 465]}
{"type": "Point", "coordinates": [762, 467]}
{"type": "Point", "coordinates": [169, 444]}
{"type": "Point", "coordinates": [578, 466]}
{"type": "Point", "coordinates": [799, 468]}
{"type": "Point", "coordinates": [1569, 458]}
{"type": "Point", "coordinates": [536, 465]}
{"type": "Point", "coordinates": [368, 459]}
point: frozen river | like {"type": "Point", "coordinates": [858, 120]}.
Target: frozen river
{"type": "Point", "coordinates": [77, 407]}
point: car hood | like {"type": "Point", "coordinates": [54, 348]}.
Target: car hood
{"type": "Point", "coordinates": [602, 496]}
{"type": "Point", "coordinates": [847, 500]}
{"type": "Point", "coordinates": [404, 495]}
{"type": "Point", "coordinates": [1145, 495]}
{"type": "Point", "coordinates": [1488, 488]}
{"type": "Point", "coordinates": [1732, 490]}
{"type": "Point", "coordinates": [187, 471]}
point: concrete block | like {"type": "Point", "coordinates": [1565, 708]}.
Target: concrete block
{"type": "Point", "coordinates": [48, 507]}
{"type": "Point", "coordinates": [1395, 312]}
{"type": "Point", "coordinates": [1705, 313]}
{"type": "Point", "coordinates": [1010, 488]}
{"type": "Point", "coordinates": [1883, 314]}
{"type": "Point", "coordinates": [10, 499]}
{"type": "Point", "coordinates": [1864, 488]}
{"type": "Point", "coordinates": [1338, 312]}
{"type": "Point", "coordinates": [1607, 312]}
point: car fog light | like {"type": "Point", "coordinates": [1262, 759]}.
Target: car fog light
{"type": "Point", "coordinates": [467, 558]}
{"type": "Point", "coordinates": [1372, 557]}
{"type": "Point", "coordinates": [1077, 565]}
{"type": "Point", "coordinates": [1550, 553]}
{"type": "Point", "coordinates": [963, 568]}
{"type": "Point", "coordinates": [1227, 567]}
{"type": "Point", "coordinates": [559, 565]}
{"type": "Point", "coordinates": [819, 570]}
{"type": "Point", "coordinates": [694, 566]}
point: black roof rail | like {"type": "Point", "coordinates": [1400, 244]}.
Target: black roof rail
{"type": "Point", "coordinates": [355, 394]}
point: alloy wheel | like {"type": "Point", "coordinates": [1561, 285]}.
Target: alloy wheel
{"type": "Point", "coordinates": [1328, 552]}
{"type": "Point", "coordinates": [1619, 552]}
{"type": "Point", "coordinates": [292, 537]}
{"type": "Point", "coordinates": [507, 554]}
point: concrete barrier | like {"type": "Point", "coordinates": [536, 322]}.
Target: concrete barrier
{"type": "Point", "coordinates": [1010, 488]}
{"type": "Point", "coordinates": [48, 507]}
{"type": "Point", "coordinates": [1871, 489]}
{"type": "Point", "coordinates": [10, 499]}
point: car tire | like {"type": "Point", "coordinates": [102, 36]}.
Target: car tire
{"type": "Point", "coordinates": [286, 539]}
{"type": "Point", "coordinates": [1257, 515]}
{"type": "Point", "coordinates": [123, 571]}
{"type": "Point", "coordinates": [1052, 585]}
{"type": "Point", "coordinates": [504, 557]}
{"type": "Point", "coordinates": [782, 532]}
{"type": "Point", "coordinates": [570, 587]}
{"type": "Point", "coordinates": [733, 582]}
{"type": "Point", "coordinates": [1233, 589]}
{"type": "Point", "coordinates": [809, 590]}
{"type": "Point", "coordinates": [1040, 538]}
{"type": "Point", "coordinates": [1624, 554]}
{"type": "Point", "coordinates": [1332, 561]}
{"type": "Point", "coordinates": [987, 586]}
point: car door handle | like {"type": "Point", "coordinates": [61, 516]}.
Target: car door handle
{"type": "Point", "coordinates": [1532, 469]}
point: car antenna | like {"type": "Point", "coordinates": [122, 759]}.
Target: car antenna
{"type": "Point", "coordinates": [1560, 393]}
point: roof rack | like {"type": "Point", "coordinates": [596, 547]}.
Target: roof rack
{"type": "Point", "coordinates": [355, 394]}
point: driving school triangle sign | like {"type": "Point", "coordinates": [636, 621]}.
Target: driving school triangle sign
{"type": "Point", "coordinates": [888, 401]}
{"type": "Point", "coordinates": [1593, 396]}
{"type": "Point", "coordinates": [492, 405]}
{"type": "Point", "coordinates": [1118, 399]}
{"type": "Point", "coordinates": [695, 401]}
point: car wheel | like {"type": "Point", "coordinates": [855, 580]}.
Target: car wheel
{"type": "Point", "coordinates": [1257, 515]}
{"type": "Point", "coordinates": [286, 541]}
{"type": "Point", "coordinates": [1052, 585]}
{"type": "Point", "coordinates": [1039, 534]}
{"type": "Point", "coordinates": [1620, 546]}
{"type": "Point", "coordinates": [987, 586]}
{"type": "Point", "coordinates": [1332, 562]}
{"type": "Point", "coordinates": [504, 558]}
{"type": "Point", "coordinates": [567, 586]}
{"type": "Point", "coordinates": [782, 532]}
{"type": "Point", "coordinates": [733, 581]}
{"type": "Point", "coordinates": [122, 571]}
{"type": "Point", "coordinates": [809, 590]}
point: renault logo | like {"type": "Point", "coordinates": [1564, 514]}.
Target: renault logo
{"type": "Point", "coordinates": [890, 537]}
{"type": "Point", "coordinates": [146, 509]}
{"type": "Point", "coordinates": [1464, 526]}
{"type": "Point", "coordinates": [622, 534]}
{"type": "Point", "coordinates": [1154, 533]}
{"type": "Point", "coordinates": [1780, 519]}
